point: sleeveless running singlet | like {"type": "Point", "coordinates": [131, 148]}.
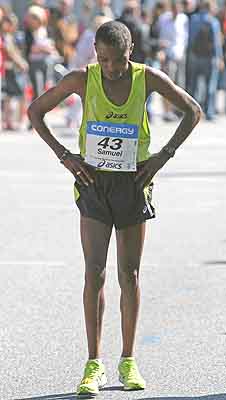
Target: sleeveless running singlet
{"type": "Point", "coordinates": [114, 138]}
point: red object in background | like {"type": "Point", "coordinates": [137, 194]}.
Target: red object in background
{"type": "Point", "coordinates": [224, 25]}
{"type": "Point", "coordinates": [2, 57]}
{"type": "Point", "coordinates": [28, 92]}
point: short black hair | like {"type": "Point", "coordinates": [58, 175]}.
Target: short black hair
{"type": "Point", "coordinates": [115, 34]}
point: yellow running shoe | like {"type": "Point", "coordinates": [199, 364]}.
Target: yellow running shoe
{"type": "Point", "coordinates": [129, 374]}
{"type": "Point", "coordinates": [94, 379]}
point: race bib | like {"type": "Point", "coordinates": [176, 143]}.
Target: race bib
{"type": "Point", "coordinates": [111, 146]}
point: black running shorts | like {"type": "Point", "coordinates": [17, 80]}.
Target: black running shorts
{"type": "Point", "coordinates": [115, 199]}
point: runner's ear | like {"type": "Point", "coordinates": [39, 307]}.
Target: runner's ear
{"type": "Point", "coordinates": [131, 48]}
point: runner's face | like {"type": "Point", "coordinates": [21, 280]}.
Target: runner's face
{"type": "Point", "coordinates": [113, 63]}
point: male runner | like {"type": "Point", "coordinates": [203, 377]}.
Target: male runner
{"type": "Point", "coordinates": [113, 180]}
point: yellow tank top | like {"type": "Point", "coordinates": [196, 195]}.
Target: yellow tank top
{"type": "Point", "coordinates": [111, 122]}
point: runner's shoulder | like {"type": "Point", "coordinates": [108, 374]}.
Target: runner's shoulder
{"type": "Point", "coordinates": [76, 80]}
{"type": "Point", "coordinates": [155, 79]}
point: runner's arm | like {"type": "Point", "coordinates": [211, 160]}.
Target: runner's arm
{"type": "Point", "coordinates": [74, 82]}
{"type": "Point", "coordinates": [158, 81]}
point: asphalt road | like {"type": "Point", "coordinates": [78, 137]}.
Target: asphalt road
{"type": "Point", "coordinates": [181, 334]}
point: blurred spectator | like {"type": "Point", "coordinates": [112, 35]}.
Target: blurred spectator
{"type": "Point", "coordinates": [131, 17]}
{"type": "Point", "coordinates": [54, 30]}
{"type": "Point", "coordinates": [1, 46]}
{"type": "Point", "coordinates": [103, 8]}
{"type": "Point", "coordinates": [154, 34]}
{"type": "Point", "coordinates": [6, 9]}
{"type": "Point", "coordinates": [160, 39]}
{"type": "Point", "coordinates": [40, 3]}
{"type": "Point", "coordinates": [40, 48]}
{"type": "Point", "coordinates": [66, 9]}
{"type": "Point", "coordinates": [173, 35]}
{"type": "Point", "coordinates": [206, 55]}
{"type": "Point", "coordinates": [153, 48]}
{"type": "Point", "coordinates": [85, 16]}
{"type": "Point", "coordinates": [69, 35]}
{"type": "Point", "coordinates": [15, 67]}
{"type": "Point", "coordinates": [145, 28]}
{"type": "Point", "coordinates": [63, 29]}
{"type": "Point", "coordinates": [222, 76]}
{"type": "Point", "coordinates": [189, 7]}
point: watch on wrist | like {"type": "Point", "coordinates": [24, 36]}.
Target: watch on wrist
{"type": "Point", "coordinates": [64, 156]}
{"type": "Point", "coordinates": [169, 150]}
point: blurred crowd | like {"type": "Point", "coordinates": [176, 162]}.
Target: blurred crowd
{"type": "Point", "coordinates": [186, 39]}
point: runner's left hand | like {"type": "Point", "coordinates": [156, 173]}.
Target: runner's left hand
{"type": "Point", "coordinates": [150, 167]}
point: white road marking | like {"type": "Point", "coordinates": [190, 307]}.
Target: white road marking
{"type": "Point", "coordinates": [34, 263]}
{"type": "Point", "coordinates": [47, 207]}
{"type": "Point", "coordinates": [193, 178]}
{"type": "Point", "coordinates": [32, 175]}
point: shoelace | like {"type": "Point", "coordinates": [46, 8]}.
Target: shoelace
{"type": "Point", "coordinates": [130, 369]}
{"type": "Point", "coordinates": [91, 371]}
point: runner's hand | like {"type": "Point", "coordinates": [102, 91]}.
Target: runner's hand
{"type": "Point", "coordinates": [78, 168]}
{"type": "Point", "coordinates": [150, 167]}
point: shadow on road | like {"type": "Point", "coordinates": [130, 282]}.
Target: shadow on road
{"type": "Point", "coordinates": [192, 174]}
{"type": "Point", "coordinates": [215, 262]}
{"type": "Point", "coordinates": [68, 396]}
{"type": "Point", "coordinates": [72, 396]}
{"type": "Point", "coordinates": [207, 397]}
{"type": "Point", "coordinates": [112, 389]}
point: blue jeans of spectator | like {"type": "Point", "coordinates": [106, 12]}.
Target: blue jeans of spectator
{"type": "Point", "coordinates": [222, 85]}
{"type": "Point", "coordinates": [207, 68]}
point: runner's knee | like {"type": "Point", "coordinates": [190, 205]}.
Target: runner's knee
{"type": "Point", "coordinates": [128, 277]}
{"type": "Point", "coordinates": [95, 276]}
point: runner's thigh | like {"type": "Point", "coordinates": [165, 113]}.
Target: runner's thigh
{"type": "Point", "coordinates": [130, 246]}
{"type": "Point", "coordinates": [95, 237]}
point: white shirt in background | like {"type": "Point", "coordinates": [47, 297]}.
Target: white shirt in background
{"type": "Point", "coordinates": [175, 32]}
{"type": "Point", "coordinates": [85, 51]}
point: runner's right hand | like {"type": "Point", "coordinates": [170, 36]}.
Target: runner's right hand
{"type": "Point", "coordinates": [77, 167]}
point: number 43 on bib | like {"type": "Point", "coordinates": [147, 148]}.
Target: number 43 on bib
{"type": "Point", "coordinates": [111, 146]}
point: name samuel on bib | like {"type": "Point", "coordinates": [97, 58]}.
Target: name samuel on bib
{"type": "Point", "coordinates": [110, 153]}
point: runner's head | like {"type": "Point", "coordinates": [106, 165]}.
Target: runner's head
{"type": "Point", "coordinates": [114, 46]}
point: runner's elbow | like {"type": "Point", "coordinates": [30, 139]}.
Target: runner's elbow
{"type": "Point", "coordinates": [34, 112]}
{"type": "Point", "coordinates": [197, 111]}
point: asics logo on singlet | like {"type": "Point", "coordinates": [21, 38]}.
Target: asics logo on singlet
{"type": "Point", "coordinates": [117, 116]}
{"type": "Point", "coordinates": [123, 130]}
{"type": "Point", "coordinates": [109, 165]}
